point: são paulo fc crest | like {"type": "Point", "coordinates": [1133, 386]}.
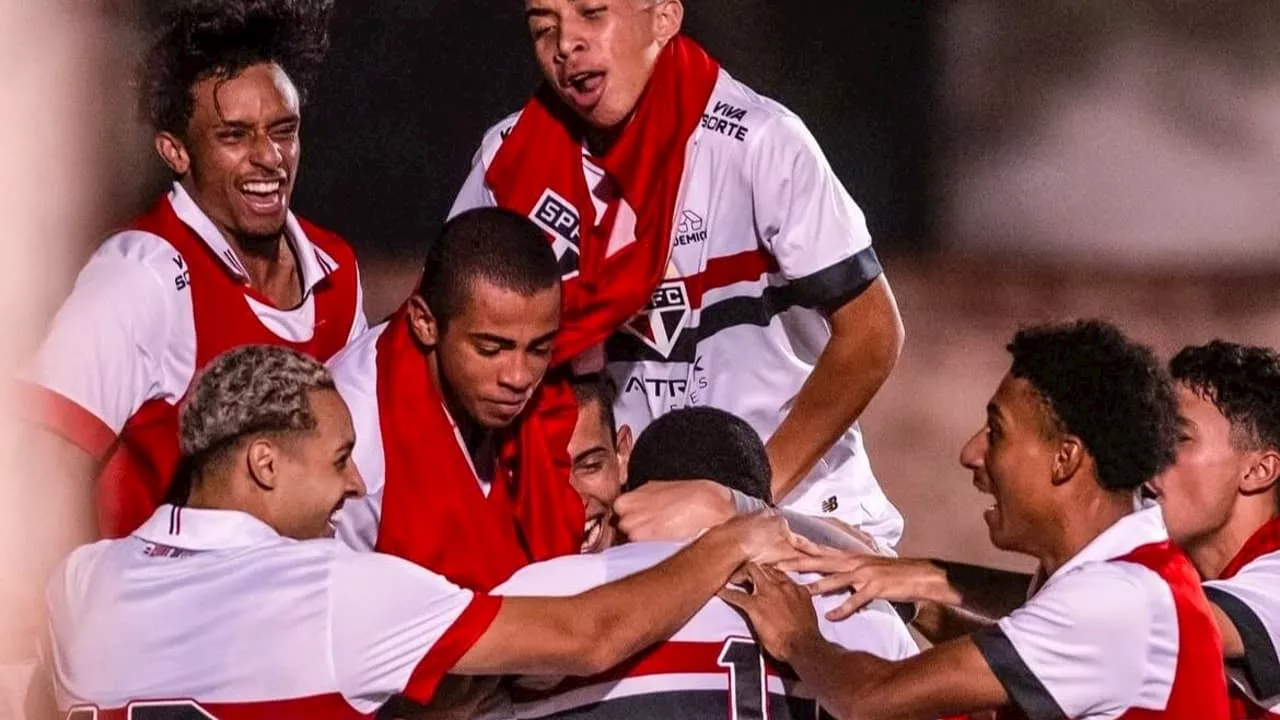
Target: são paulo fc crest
{"type": "Point", "coordinates": [660, 323]}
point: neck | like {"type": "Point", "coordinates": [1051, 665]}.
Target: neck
{"type": "Point", "coordinates": [218, 493]}
{"type": "Point", "coordinates": [1083, 523]}
{"type": "Point", "coordinates": [1214, 551]}
{"type": "Point", "coordinates": [474, 436]}
{"type": "Point", "coordinates": [267, 260]}
{"type": "Point", "coordinates": [599, 142]}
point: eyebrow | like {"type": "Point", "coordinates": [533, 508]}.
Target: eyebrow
{"type": "Point", "coordinates": [346, 447]}
{"type": "Point", "coordinates": [597, 450]}
{"type": "Point", "coordinates": [496, 339]}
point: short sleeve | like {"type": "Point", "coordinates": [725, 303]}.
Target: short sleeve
{"type": "Point", "coordinates": [806, 219]}
{"type": "Point", "coordinates": [1095, 642]}
{"type": "Point", "coordinates": [475, 191]}
{"type": "Point", "coordinates": [397, 628]}
{"type": "Point", "coordinates": [101, 359]}
{"type": "Point", "coordinates": [1250, 600]}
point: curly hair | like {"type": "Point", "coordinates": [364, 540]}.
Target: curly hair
{"type": "Point", "coordinates": [252, 389]}
{"type": "Point", "coordinates": [701, 442]}
{"type": "Point", "coordinates": [199, 39]}
{"type": "Point", "coordinates": [1105, 389]}
{"type": "Point", "coordinates": [1242, 381]}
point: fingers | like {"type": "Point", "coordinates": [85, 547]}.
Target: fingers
{"type": "Point", "coordinates": [737, 599]}
{"type": "Point", "coordinates": [856, 602]}
{"type": "Point", "coordinates": [836, 583]}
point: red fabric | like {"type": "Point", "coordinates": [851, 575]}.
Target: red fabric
{"type": "Point", "coordinates": [1265, 541]}
{"type": "Point", "coordinates": [317, 707]}
{"type": "Point", "coordinates": [1199, 683]}
{"type": "Point", "coordinates": [544, 151]}
{"type": "Point", "coordinates": [137, 474]}
{"type": "Point", "coordinates": [461, 636]}
{"type": "Point", "coordinates": [59, 414]}
{"type": "Point", "coordinates": [433, 511]}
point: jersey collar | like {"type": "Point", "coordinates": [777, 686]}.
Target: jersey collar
{"type": "Point", "coordinates": [197, 529]}
{"type": "Point", "coordinates": [314, 264]}
{"type": "Point", "coordinates": [1143, 527]}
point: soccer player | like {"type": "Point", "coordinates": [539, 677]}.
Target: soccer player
{"type": "Point", "coordinates": [706, 246]}
{"type": "Point", "coordinates": [599, 451]}
{"type": "Point", "coordinates": [461, 479]}
{"type": "Point", "coordinates": [1120, 626]}
{"type": "Point", "coordinates": [219, 261]}
{"type": "Point", "coordinates": [1220, 502]}
{"type": "Point", "coordinates": [238, 604]}
{"type": "Point", "coordinates": [711, 668]}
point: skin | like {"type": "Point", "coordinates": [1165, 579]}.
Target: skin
{"type": "Point", "coordinates": [1047, 504]}
{"type": "Point", "coordinates": [491, 355]}
{"type": "Point", "coordinates": [244, 130]}
{"type": "Point", "coordinates": [294, 481]}
{"type": "Point", "coordinates": [599, 472]}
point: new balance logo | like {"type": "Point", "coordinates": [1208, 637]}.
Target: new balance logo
{"type": "Point", "coordinates": [559, 219]}
{"type": "Point", "coordinates": [831, 504]}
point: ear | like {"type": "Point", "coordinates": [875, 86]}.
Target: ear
{"type": "Point", "coordinates": [264, 463]}
{"type": "Point", "coordinates": [1262, 474]}
{"type": "Point", "coordinates": [174, 152]}
{"type": "Point", "coordinates": [668, 17]}
{"type": "Point", "coordinates": [1068, 459]}
{"type": "Point", "coordinates": [625, 443]}
{"type": "Point", "coordinates": [422, 323]}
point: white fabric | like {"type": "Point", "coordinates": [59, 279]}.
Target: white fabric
{"type": "Point", "coordinates": [224, 610]}
{"type": "Point", "coordinates": [1102, 636]}
{"type": "Point", "coordinates": [355, 373]}
{"type": "Point", "coordinates": [755, 179]}
{"type": "Point", "coordinates": [876, 629]}
{"type": "Point", "coordinates": [126, 334]}
{"type": "Point", "coordinates": [1257, 585]}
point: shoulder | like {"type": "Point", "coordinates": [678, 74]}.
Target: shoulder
{"type": "Point", "coordinates": [330, 243]}
{"type": "Point", "coordinates": [738, 117]}
{"type": "Point", "coordinates": [1106, 597]}
{"type": "Point", "coordinates": [355, 367]}
{"type": "Point", "coordinates": [129, 255]}
{"type": "Point", "coordinates": [494, 137]}
{"type": "Point", "coordinates": [572, 574]}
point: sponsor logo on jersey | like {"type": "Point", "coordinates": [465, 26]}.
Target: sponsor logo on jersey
{"type": "Point", "coordinates": [831, 504]}
{"type": "Point", "coordinates": [727, 120]}
{"type": "Point", "coordinates": [691, 229]}
{"type": "Point", "coordinates": [660, 323]}
{"type": "Point", "coordinates": [559, 219]}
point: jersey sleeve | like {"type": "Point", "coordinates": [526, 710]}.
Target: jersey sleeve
{"type": "Point", "coordinates": [360, 323]}
{"type": "Point", "coordinates": [101, 359]}
{"type": "Point", "coordinates": [1082, 647]}
{"type": "Point", "coordinates": [876, 629]}
{"type": "Point", "coordinates": [1251, 599]}
{"type": "Point", "coordinates": [397, 628]}
{"type": "Point", "coordinates": [475, 191]}
{"type": "Point", "coordinates": [806, 219]}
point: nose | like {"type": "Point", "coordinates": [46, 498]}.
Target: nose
{"type": "Point", "coordinates": [569, 39]}
{"type": "Point", "coordinates": [973, 451]}
{"type": "Point", "coordinates": [267, 153]}
{"type": "Point", "coordinates": [518, 373]}
{"type": "Point", "coordinates": [355, 487]}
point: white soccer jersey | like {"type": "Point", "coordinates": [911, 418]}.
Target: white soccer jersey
{"type": "Point", "coordinates": [212, 609]}
{"type": "Point", "coordinates": [1108, 637]}
{"type": "Point", "coordinates": [765, 238]}
{"type": "Point", "coordinates": [127, 333]}
{"type": "Point", "coordinates": [710, 669]}
{"type": "Point", "coordinates": [1250, 597]}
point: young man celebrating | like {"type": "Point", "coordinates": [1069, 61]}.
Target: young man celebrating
{"type": "Point", "coordinates": [456, 483]}
{"type": "Point", "coordinates": [703, 235]}
{"type": "Point", "coordinates": [1119, 628]}
{"type": "Point", "coordinates": [599, 451]}
{"type": "Point", "coordinates": [711, 668]}
{"type": "Point", "coordinates": [1220, 502]}
{"type": "Point", "coordinates": [239, 604]}
{"type": "Point", "coordinates": [218, 262]}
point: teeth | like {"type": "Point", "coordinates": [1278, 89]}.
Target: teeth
{"type": "Point", "coordinates": [262, 188]}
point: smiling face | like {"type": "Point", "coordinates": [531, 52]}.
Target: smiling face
{"type": "Point", "coordinates": [599, 472]}
{"type": "Point", "coordinates": [238, 158]}
{"type": "Point", "coordinates": [597, 55]}
{"type": "Point", "coordinates": [1012, 459]}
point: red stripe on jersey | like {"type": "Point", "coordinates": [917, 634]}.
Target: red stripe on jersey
{"type": "Point", "coordinates": [669, 658]}
{"type": "Point", "coordinates": [1244, 709]}
{"type": "Point", "coordinates": [724, 271]}
{"type": "Point", "coordinates": [1263, 542]}
{"type": "Point", "coordinates": [61, 415]}
{"type": "Point", "coordinates": [449, 649]}
{"type": "Point", "coordinates": [324, 707]}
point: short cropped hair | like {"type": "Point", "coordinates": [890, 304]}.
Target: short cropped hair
{"type": "Point", "coordinates": [1242, 382]}
{"type": "Point", "coordinates": [250, 390]}
{"type": "Point", "coordinates": [1105, 389]}
{"type": "Point", "coordinates": [597, 389]}
{"type": "Point", "coordinates": [200, 39]}
{"type": "Point", "coordinates": [702, 443]}
{"type": "Point", "coordinates": [493, 244]}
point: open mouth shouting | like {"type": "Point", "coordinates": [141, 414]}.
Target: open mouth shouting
{"type": "Point", "coordinates": [264, 197]}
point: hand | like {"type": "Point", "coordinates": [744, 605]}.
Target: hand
{"type": "Point", "coordinates": [780, 611]}
{"type": "Point", "coordinates": [672, 510]}
{"type": "Point", "coordinates": [860, 535]}
{"type": "Point", "coordinates": [871, 577]}
{"type": "Point", "coordinates": [764, 538]}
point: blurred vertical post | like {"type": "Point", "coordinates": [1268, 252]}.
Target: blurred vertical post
{"type": "Point", "coordinates": [59, 93]}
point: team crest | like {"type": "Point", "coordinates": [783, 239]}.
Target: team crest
{"type": "Point", "coordinates": [660, 323]}
{"type": "Point", "coordinates": [559, 219]}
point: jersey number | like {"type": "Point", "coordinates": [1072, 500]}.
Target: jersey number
{"type": "Point", "coordinates": [166, 710]}
{"type": "Point", "coordinates": [748, 697]}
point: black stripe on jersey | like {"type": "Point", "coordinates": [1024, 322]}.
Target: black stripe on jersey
{"type": "Point", "coordinates": [683, 705]}
{"type": "Point", "coordinates": [824, 290]}
{"type": "Point", "coordinates": [1260, 663]}
{"type": "Point", "coordinates": [1024, 688]}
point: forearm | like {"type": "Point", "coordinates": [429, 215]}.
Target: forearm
{"type": "Point", "coordinates": [983, 591]}
{"type": "Point", "coordinates": [836, 676]}
{"type": "Point", "coordinates": [940, 623]}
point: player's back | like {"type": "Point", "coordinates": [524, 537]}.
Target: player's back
{"type": "Point", "coordinates": [709, 670]}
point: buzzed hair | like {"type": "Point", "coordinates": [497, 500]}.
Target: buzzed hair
{"type": "Point", "coordinates": [702, 443]}
{"type": "Point", "coordinates": [1105, 389]}
{"type": "Point", "coordinates": [597, 389]}
{"type": "Point", "coordinates": [496, 245]}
